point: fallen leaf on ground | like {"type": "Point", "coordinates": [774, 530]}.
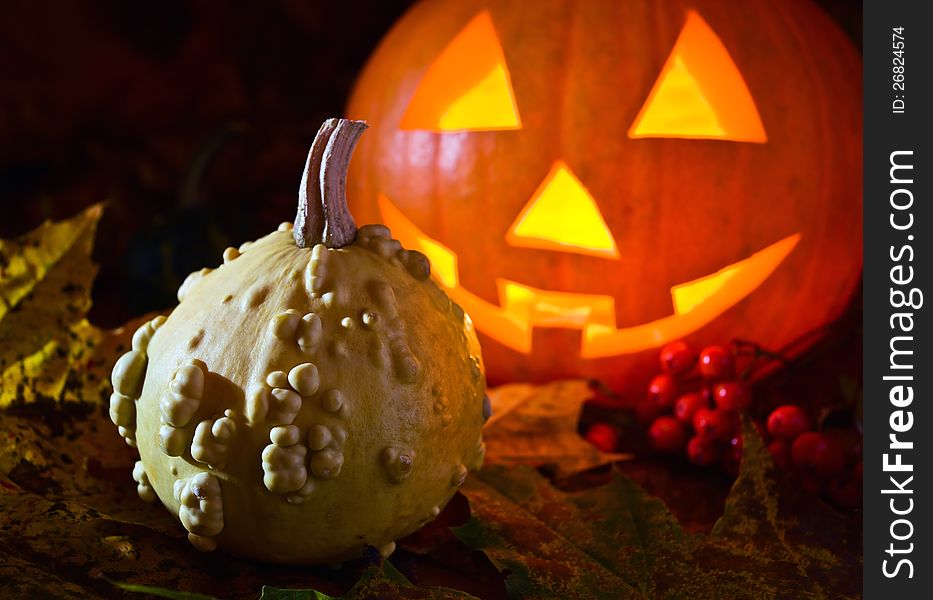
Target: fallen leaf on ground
{"type": "Point", "coordinates": [537, 426]}
{"type": "Point", "coordinates": [45, 282]}
{"type": "Point", "coordinates": [615, 541]}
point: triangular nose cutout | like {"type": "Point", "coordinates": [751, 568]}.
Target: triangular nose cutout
{"type": "Point", "coordinates": [563, 216]}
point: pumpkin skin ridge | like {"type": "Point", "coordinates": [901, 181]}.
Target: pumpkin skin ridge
{"type": "Point", "coordinates": [360, 506]}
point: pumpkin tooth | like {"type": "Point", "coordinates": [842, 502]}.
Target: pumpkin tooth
{"type": "Point", "coordinates": [173, 440]}
{"type": "Point", "coordinates": [479, 455]}
{"type": "Point", "coordinates": [142, 335]}
{"type": "Point", "coordinates": [386, 550]}
{"type": "Point", "coordinates": [370, 320]}
{"type": "Point", "coordinates": [441, 405]}
{"type": "Point", "coordinates": [285, 226]}
{"type": "Point", "coordinates": [368, 233]}
{"type": "Point", "coordinates": [257, 404]}
{"type": "Point", "coordinates": [303, 494]}
{"type": "Point", "coordinates": [418, 265]}
{"type": "Point", "coordinates": [459, 476]}
{"type": "Point", "coordinates": [201, 509]}
{"type": "Point", "coordinates": [317, 269]}
{"type": "Point", "coordinates": [404, 364]}
{"type": "Point", "coordinates": [283, 467]}
{"type": "Point", "coordinates": [327, 463]}
{"type": "Point", "coordinates": [143, 488]}
{"type": "Point", "coordinates": [433, 514]}
{"type": "Point", "coordinates": [284, 406]}
{"type": "Point", "coordinates": [334, 401]}
{"type": "Point", "coordinates": [178, 405]}
{"type": "Point", "coordinates": [284, 325]}
{"type": "Point", "coordinates": [277, 379]}
{"type": "Point", "coordinates": [128, 435]}
{"type": "Point", "coordinates": [398, 463]}
{"type": "Point", "coordinates": [230, 254]}
{"type": "Point", "coordinates": [387, 248]}
{"type": "Point", "coordinates": [310, 330]}
{"type": "Point", "coordinates": [284, 435]}
{"type": "Point", "coordinates": [212, 440]}
{"type": "Point", "coordinates": [304, 379]}
{"type": "Point", "coordinates": [122, 411]}
{"type": "Point", "coordinates": [319, 437]}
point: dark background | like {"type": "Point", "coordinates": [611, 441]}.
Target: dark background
{"type": "Point", "coordinates": [190, 119]}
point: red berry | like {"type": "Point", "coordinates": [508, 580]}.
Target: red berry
{"type": "Point", "coordinates": [818, 452]}
{"type": "Point", "coordinates": [663, 391]}
{"type": "Point", "coordinates": [687, 405]}
{"type": "Point", "coordinates": [668, 435]}
{"type": "Point", "coordinates": [646, 411]}
{"type": "Point", "coordinates": [732, 395]}
{"type": "Point", "coordinates": [717, 423]}
{"type": "Point", "coordinates": [845, 493]}
{"type": "Point", "coordinates": [716, 362]}
{"type": "Point", "coordinates": [702, 451]}
{"type": "Point", "coordinates": [677, 358]}
{"type": "Point", "coordinates": [787, 422]}
{"type": "Point", "coordinates": [604, 437]}
{"type": "Point", "coordinates": [810, 482]}
{"type": "Point", "coordinates": [780, 453]}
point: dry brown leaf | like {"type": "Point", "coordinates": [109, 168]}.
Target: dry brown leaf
{"type": "Point", "coordinates": [537, 425]}
{"type": "Point", "coordinates": [45, 282]}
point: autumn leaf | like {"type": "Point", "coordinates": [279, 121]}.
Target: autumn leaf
{"type": "Point", "coordinates": [615, 541]}
{"type": "Point", "coordinates": [380, 580]}
{"type": "Point", "coordinates": [45, 281]}
{"type": "Point", "coordinates": [537, 426]}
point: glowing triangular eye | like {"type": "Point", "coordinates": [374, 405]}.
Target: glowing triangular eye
{"type": "Point", "coordinates": [467, 87]}
{"type": "Point", "coordinates": [700, 93]}
{"type": "Point", "coordinates": [562, 215]}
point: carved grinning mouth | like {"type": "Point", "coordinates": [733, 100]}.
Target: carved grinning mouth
{"type": "Point", "coordinates": [522, 308]}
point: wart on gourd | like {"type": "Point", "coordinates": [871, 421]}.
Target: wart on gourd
{"type": "Point", "coordinates": [292, 408]}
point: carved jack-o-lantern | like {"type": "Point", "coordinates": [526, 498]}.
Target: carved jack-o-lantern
{"type": "Point", "coordinates": [594, 179]}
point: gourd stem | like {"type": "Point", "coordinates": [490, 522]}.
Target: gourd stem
{"type": "Point", "coordinates": [323, 216]}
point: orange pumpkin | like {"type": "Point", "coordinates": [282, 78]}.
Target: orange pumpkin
{"type": "Point", "coordinates": [594, 179]}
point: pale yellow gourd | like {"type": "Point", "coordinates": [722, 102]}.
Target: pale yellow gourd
{"type": "Point", "coordinates": [315, 394]}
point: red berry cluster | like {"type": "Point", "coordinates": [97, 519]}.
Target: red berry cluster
{"type": "Point", "coordinates": [693, 407]}
{"type": "Point", "coordinates": [827, 462]}
{"type": "Point", "coordinates": [694, 404]}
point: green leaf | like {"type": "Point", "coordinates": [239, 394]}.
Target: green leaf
{"type": "Point", "coordinates": [615, 541]}
{"type": "Point", "coordinates": [378, 581]}
{"type": "Point", "coordinates": [270, 593]}
{"type": "Point", "coordinates": [162, 592]}
{"type": "Point", "coordinates": [45, 281]}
